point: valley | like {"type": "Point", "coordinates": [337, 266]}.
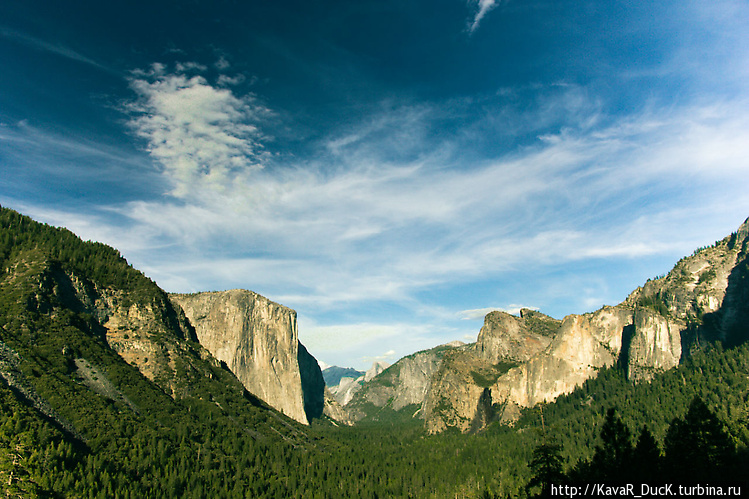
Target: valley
{"type": "Point", "coordinates": [112, 387]}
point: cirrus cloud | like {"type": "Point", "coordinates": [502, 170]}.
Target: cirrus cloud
{"type": "Point", "coordinates": [484, 6]}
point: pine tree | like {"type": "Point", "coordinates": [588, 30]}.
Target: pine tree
{"type": "Point", "coordinates": [698, 448]}
{"type": "Point", "coordinates": [612, 460]}
{"type": "Point", "coordinates": [547, 466]}
{"type": "Point", "coordinates": [646, 458]}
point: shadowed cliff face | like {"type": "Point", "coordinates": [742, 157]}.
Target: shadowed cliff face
{"type": "Point", "coordinates": [525, 360]}
{"type": "Point", "coordinates": [313, 384]}
{"type": "Point", "coordinates": [257, 339]}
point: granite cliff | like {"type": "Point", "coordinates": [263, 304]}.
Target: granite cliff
{"type": "Point", "coordinates": [519, 362]}
{"type": "Point", "coordinates": [258, 341]}
{"type": "Point", "coordinates": [97, 366]}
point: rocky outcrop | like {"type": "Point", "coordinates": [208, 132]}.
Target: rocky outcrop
{"type": "Point", "coordinates": [505, 337]}
{"type": "Point", "coordinates": [651, 344]}
{"type": "Point", "coordinates": [707, 291]}
{"type": "Point", "coordinates": [374, 371]}
{"type": "Point", "coordinates": [334, 410]}
{"type": "Point", "coordinates": [583, 344]}
{"type": "Point", "coordinates": [452, 396]}
{"type": "Point", "coordinates": [141, 333]}
{"type": "Point", "coordinates": [258, 341]}
{"type": "Point", "coordinates": [520, 361]}
{"type": "Point", "coordinates": [643, 341]}
{"type": "Point", "coordinates": [141, 325]}
{"type": "Point", "coordinates": [347, 386]}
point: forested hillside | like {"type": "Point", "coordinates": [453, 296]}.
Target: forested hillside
{"type": "Point", "coordinates": [76, 420]}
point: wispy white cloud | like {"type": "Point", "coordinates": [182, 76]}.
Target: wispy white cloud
{"type": "Point", "coordinates": [56, 48]}
{"type": "Point", "coordinates": [483, 6]}
{"type": "Point", "coordinates": [365, 222]}
{"type": "Point", "coordinates": [358, 224]}
{"type": "Point", "coordinates": [26, 139]}
{"type": "Point", "coordinates": [203, 135]}
{"type": "Point", "coordinates": [355, 225]}
{"type": "Point", "coordinates": [480, 313]}
{"type": "Point", "coordinates": [223, 63]}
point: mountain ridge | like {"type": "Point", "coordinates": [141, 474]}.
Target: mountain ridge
{"type": "Point", "coordinates": [649, 332]}
{"type": "Point", "coordinates": [111, 321]}
{"type": "Point", "coordinates": [518, 362]}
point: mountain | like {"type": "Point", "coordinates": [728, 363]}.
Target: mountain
{"type": "Point", "coordinates": [398, 391]}
{"type": "Point", "coordinates": [519, 362]}
{"type": "Point", "coordinates": [348, 385]}
{"type": "Point", "coordinates": [258, 341]}
{"type": "Point", "coordinates": [78, 420]}
{"type": "Point", "coordinates": [97, 366]}
{"type": "Point", "coordinates": [333, 375]}
{"type": "Point", "coordinates": [340, 385]}
{"type": "Point", "coordinates": [149, 330]}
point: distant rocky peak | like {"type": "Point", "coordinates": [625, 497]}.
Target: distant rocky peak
{"type": "Point", "coordinates": [377, 368]}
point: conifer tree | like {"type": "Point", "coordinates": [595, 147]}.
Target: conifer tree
{"type": "Point", "coordinates": [613, 458]}
{"type": "Point", "coordinates": [546, 464]}
{"type": "Point", "coordinates": [697, 447]}
{"type": "Point", "coordinates": [646, 458]}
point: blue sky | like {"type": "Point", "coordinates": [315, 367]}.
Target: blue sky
{"type": "Point", "coordinates": [392, 170]}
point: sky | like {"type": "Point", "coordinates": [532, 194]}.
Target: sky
{"type": "Point", "coordinates": [392, 170]}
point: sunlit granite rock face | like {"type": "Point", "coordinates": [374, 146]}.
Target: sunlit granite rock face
{"type": "Point", "coordinates": [505, 337]}
{"type": "Point", "coordinates": [137, 321]}
{"type": "Point", "coordinates": [334, 410]}
{"type": "Point", "coordinates": [520, 361]}
{"type": "Point", "coordinates": [142, 327]}
{"type": "Point", "coordinates": [258, 341]}
{"type": "Point", "coordinates": [517, 376]}
{"type": "Point", "coordinates": [453, 394]}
